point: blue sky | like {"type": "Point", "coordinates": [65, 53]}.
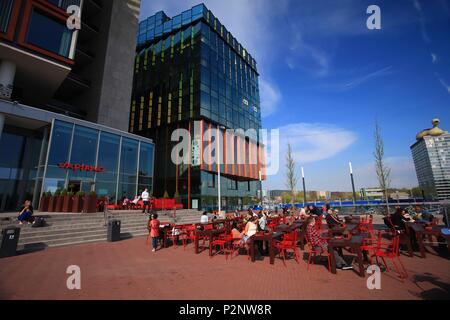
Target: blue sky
{"type": "Point", "coordinates": [325, 78]}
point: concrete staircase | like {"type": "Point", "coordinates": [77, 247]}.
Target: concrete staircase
{"type": "Point", "coordinates": [68, 229]}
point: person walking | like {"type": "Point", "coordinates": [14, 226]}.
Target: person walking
{"type": "Point", "coordinates": [154, 231]}
{"type": "Point", "coordinates": [145, 196]}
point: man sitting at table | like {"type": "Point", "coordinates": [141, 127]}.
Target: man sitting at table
{"type": "Point", "coordinates": [333, 219]}
{"type": "Point", "coordinates": [318, 243]}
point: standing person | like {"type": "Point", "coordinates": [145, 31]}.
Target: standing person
{"type": "Point", "coordinates": [145, 198]}
{"type": "Point", "coordinates": [26, 213]}
{"type": "Point", "coordinates": [154, 231]}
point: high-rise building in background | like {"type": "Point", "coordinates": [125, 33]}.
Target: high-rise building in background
{"type": "Point", "coordinates": [191, 73]}
{"type": "Point", "coordinates": [64, 100]}
{"type": "Point", "coordinates": [431, 154]}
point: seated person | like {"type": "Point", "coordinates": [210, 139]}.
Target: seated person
{"type": "Point", "coordinates": [318, 243]}
{"type": "Point", "coordinates": [332, 219]}
{"type": "Point", "coordinates": [250, 229]}
{"type": "Point", "coordinates": [26, 213]}
{"type": "Point", "coordinates": [135, 200]}
{"type": "Point", "coordinates": [125, 203]}
{"type": "Point", "coordinates": [204, 218]}
{"type": "Point", "coordinates": [235, 232]}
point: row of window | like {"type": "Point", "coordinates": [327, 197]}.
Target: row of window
{"type": "Point", "coordinates": [160, 25]}
{"type": "Point", "coordinates": [42, 28]}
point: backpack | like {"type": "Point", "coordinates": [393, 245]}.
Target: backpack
{"type": "Point", "coordinates": [39, 222]}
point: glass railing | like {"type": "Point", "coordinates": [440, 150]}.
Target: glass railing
{"type": "Point", "coordinates": [5, 14]}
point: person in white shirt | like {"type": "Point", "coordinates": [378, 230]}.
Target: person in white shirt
{"type": "Point", "coordinates": [204, 219]}
{"type": "Point", "coordinates": [145, 198]}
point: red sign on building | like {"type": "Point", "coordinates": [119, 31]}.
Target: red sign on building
{"type": "Point", "coordinates": [80, 167]}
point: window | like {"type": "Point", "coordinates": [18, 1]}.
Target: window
{"type": "Point", "coordinates": [59, 149]}
{"type": "Point", "coordinates": [6, 8]}
{"type": "Point", "coordinates": [108, 157]}
{"type": "Point", "coordinates": [48, 33]}
{"type": "Point", "coordinates": [176, 21]}
{"type": "Point", "coordinates": [211, 180]}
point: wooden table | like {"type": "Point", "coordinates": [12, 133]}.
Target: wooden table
{"type": "Point", "coordinates": [338, 230]}
{"type": "Point", "coordinates": [211, 233]}
{"type": "Point", "coordinates": [354, 244]}
{"type": "Point", "coordinates": [422, 232]}
{"type": "Point", "coordinates": [268, 237]}
{"type": "Point", "coordinates": [352, 220]}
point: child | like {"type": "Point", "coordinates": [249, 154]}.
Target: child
{"type": "Point", "coordinates": [154, 231]}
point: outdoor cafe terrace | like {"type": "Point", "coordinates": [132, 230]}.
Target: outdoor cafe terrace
{"type": "Point", "coordinates": [205, 262]}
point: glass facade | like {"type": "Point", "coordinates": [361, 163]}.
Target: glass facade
{"type": "Point", "coordinates": [189, 68]}
{"type": "Point", "coordinates": [116, 160]}
{"type": "Point", "coordinates": [432, 162]}
{"type": "Point", "coordinates": [21, 165]}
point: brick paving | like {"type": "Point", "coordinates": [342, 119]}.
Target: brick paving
{"type": "Point", "coordinates": [129, 270]}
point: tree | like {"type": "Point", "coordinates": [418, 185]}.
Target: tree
{"type": "Point", "coordinates": [291, 175]}
{"type": "Point", "coordinates": [382, 170]}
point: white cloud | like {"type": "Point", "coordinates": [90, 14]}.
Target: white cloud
{"type": "Point", "coordinates": [402, 173]}
{"type": "Point", "coordinates": [353, 83]}
{"type": "Point", "coordinates": [434, 58]}
{"type": "Point", "coordinates": [312, 142]}
{"type": "Point", "coordinates": [270, 97]}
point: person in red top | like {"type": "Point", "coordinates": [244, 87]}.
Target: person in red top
{"type": "Point", "coordinates": [154, 231]}
{"type": "Point", "coordinates": [318, 243]}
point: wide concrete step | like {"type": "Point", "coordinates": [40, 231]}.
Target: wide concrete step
{"type": "Point", "coordinates": [75, 228]}
{"type": "Point", "coordinates": [75, 235]}
{"type": "Point", "coordinates": [77, 240]}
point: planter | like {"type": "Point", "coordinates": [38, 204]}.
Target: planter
{"type": "Point", "coordinates": [90, 204]}
{"type": "Point", "coordinates": [59, 203]}
{"type": "Point", "coordinates": [51, 204]}
{"type": "Point", "coordinates": [67, 204]}
{"type": "Point", "coordinates": [43, 204]}
{"type": "Point", "coordinates": [77, 204]}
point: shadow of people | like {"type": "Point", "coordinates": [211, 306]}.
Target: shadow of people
{"type": "Point", "coordinates": [441, 292]}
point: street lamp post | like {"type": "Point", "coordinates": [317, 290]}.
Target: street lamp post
{"type": "Point", "coordinates": [219, 128]}
{"type": "Point", "coordinates": [304, 187]}
{"type": "Point", "coordinates": [260, 187]}
{"type": "Point", "coordinates": [353, 183]}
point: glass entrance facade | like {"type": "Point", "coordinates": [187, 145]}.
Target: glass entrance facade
{"type": "Point", "coordinates": [89, 159]}
{"type": "Point", "coordinates": [65, 153]}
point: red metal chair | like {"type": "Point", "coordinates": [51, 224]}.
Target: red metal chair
{"type": "Point", "coordinates": [390, 251]}
{"type": "Point", "coordinates": [222, 241]}
{"type": "Point", "coordinates": [313, 253]}
{"type": "Point", "coordinates": [289, 242]}
{"type": "Point", "coordinates": [177, 233]}
{"type": "Point", "coordinates": [236, 245]}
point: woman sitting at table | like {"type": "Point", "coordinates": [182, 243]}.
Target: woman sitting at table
{"type": "Point", "coordinates": [318, 243]}
{"type": "Point", "coordinates": [250, 229]}
{"type": "Point", "coordinates": [235, 232]}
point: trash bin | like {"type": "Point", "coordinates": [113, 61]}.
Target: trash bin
{"type": "Point", "coordinates": [10, 239]}
{"type": "Point", "coordinates": [113, 230]}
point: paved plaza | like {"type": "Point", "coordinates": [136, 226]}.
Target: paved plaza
{"type": "Point", "coordinates": [129, 270]}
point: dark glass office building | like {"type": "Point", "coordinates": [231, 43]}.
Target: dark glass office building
{"type": "Point", "coordinates": [191, 73]}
